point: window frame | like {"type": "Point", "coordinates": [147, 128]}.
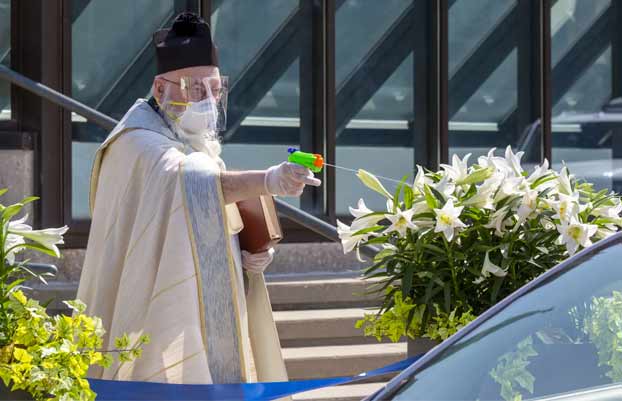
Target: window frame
{"type": "Point", "coordinates": [46, 128]}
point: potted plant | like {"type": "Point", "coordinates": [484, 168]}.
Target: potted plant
{"type": "Point", "coordinates": [43, 356]}
{"type": "Point", "coordinates": [457, 240]}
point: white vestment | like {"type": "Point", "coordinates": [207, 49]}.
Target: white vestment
{"type": "Point", "coordinates": [163, 259]}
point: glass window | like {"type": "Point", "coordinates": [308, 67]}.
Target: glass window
{"type": "Point", "coordinates": [556, 342]}
{"type": "Point", "coordinates": [113, 64]}
{"type": "Point", "coordinates": [5, 57]}
{"type": "Point", "coordinates": [262, 59]}
{"type": "Point", "coordinates": [484, 78]}
{"type": "Point", "coordinates": [585, 134]}
{"type": "Point", "coordinates": [374, 124]}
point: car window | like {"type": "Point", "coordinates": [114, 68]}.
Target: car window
{"type": "Point", "coordinates": [563, 337]}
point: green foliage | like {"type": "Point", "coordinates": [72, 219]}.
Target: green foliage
{"type": "Point", "coordinates": [601, 322]}
{"type": "Point", "coordinates": [470, 236]}
{"type": "Point", "coordinates": [47, 356]}
{"type": "Point", "coordinates": [511, 371]}
{"type": "Point", "coordinates": [392, 323]}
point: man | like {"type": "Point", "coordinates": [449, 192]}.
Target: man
{"type": "Point", "coordinates": [163, 257]}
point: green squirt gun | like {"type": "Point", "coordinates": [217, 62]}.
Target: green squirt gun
{"type": "Point", "coordinates": [312, 161]}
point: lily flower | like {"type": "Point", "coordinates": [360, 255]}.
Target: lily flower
{"type": "Point", "coordinates": [361, 215]}
{"type": "Point", "coordinates": [498, 221]}
{"type": "Point", "coordinates": [488, 160]}
{"type": "Point", "coordinates": [575, 234]}
{"type": "Point", "coordinates": [447, 219]}
{"type": "Point", "coordinates": [48, 237]}
{"type": "Point", "coordinates": [420, 180]}
{"type": "Point", "coordinates": [348, 240]}
{"type": "Point", "coordinates": [528, 205]}
{"type": "Point", "coordinates": [458, 170]}
{"type": "Point", "coordinates": [566, 207]}
{"type": "Point", "coordinates": [401, 221]}
{"type": "Point", "coordinates": [373, 183]}
{"type": "Point", "coordinates": [489, 268]}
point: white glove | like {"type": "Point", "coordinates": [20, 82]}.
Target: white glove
{"type": "Point", "coordinates": [257, 262]}
{"type": "Point", "coordinates": [289, 179]}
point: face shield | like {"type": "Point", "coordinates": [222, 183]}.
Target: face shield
{"type": "Point", "coordinates": [196, 104]}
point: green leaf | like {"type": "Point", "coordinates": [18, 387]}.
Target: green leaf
{"type": "Point", "coordinates": [36, 247]}
{"type": "Point", "coordinates": [542, 180]}
{"type": "Point", "coordinates": [367, 230]}
{"type": "Point", "coordinates": [438, 196]}
{"type": "Point", "coordinates": [408, 197]}
{"type": "Point", "coordinates": [76, 305]}
{"type": "Point", "coordinates": [435, 249]}
{"type": "Point", "coordinates": [11, 211]}
{"type": "Point", "coordinates": [495, 289]}
{"type": "Point", "coordinates": [3, 191]}
{"type": "Point", "coordinates": [377, 240]}
{"type": "Point", "coordinates": [29, 199]}
{"type": "Point", "coordinates": [476, 176]}
{"type": "Point", "coordinates": [407, 281]}
{"type": "Point", "coordinates": [430, 199]}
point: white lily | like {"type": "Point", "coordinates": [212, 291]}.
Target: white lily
{"type": "Point", "coordinates": [604, 232]}
{"type": "Point", "coordinates": [458, 170]}
{"type": "Point", "coordinates": [609, 212]}
{"type": "Point", "coordinates": [348, 240]}
{"type": "Point", "coordinates": [488, 160]}
{"type": "Point", "coordinates": [575, 234]}
{"type": "Point", "coordinates": [510, 186]}
{"type": "Point", "coordinates": [481, 199]}
{"type": "Point", "coordinates": [540, 171]}
{"type": "Point", "coordinates": [498, 221]}
{"type": "Point", "coordinates": [489, 268]}
{"type": "Point", "coordinates": [401, 221]}
{"type": "Point", "coordinates": [448, 219]}
{"type": "Point", "coordinates": [373, 183]}
{"type": "Point", "coordinates": [513, 160]}
{"type": "Point", "coordinates": [566, 207]}
{"type": "Point", "coordinates": [420, 180]}
{"type": "Point", "coordinates": [445, 187]}
{"type": "Point", "coordinates": [528, 205]}
{"type": "Point", "coordinates": [48, 237]}
{"type": "Point", "coordinates": [564, 185]}
{"type": "Point", "coordinates": [361, 215]}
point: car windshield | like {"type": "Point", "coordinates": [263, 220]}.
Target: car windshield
{"type": "Point", "coordinates": [563, 339]}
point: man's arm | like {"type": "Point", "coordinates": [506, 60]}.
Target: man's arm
{"type": "Point", "coordinates": [285, 179]}
{"type": "Point", "coordinates": [240, 185]}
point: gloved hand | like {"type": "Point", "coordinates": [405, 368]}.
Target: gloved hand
{"type": "Point", "coordinates": [257, 262]}
{"type": "Point", "coordinates": [289, 179]}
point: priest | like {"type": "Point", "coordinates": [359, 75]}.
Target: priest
{"type": "Point", "coordinates": [163, 257]}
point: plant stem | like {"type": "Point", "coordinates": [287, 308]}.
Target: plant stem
{"type": "Point", "coordinates": [450, 261]}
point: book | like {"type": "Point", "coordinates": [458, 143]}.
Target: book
{"type": "Point", "coordinates": [261, 228]}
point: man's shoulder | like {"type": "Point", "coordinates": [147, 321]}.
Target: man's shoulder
{"type": "Point", "coordinates": [143, 140]}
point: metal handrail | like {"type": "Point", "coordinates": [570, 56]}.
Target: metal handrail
{"type": "Point", "coordinates": [303, 218]}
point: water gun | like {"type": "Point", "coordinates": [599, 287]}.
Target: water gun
{"type": "Point", "coordinates": [312, 161]}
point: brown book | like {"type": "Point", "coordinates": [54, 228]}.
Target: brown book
{"type": "Point", "coordinates": [262, 229]}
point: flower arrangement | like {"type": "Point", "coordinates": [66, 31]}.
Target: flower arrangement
{"type": "Point", "coordinates": [457, 240]}
{"type": "Point", "coordinates": [46, 356]}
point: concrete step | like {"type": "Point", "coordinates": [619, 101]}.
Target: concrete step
{"type": "Point", "coordinates": [321, 327]}
{"type": "Point", "coordinates": [351, 392]}
{"type": "Point", "coordinates": [290, 294]}
{"type": "Point", "coordinates": [341, 360]}
{"type": "Point", "coordinates": [321, 294]}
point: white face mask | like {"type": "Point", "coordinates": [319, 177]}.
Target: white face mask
{"type": "Point", "coordinates": [199, 117]}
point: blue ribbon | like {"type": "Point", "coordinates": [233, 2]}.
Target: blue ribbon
{"type": "Point", "coordinates": [112, 390]}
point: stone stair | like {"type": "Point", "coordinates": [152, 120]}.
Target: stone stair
{"type": "Point", "coordinates": [315, 318]}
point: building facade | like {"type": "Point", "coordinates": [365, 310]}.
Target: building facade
{"type": "Point", "coordinates": [381, 85]}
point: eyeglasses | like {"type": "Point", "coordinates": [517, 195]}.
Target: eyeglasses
{"type": "Point", "coordinates": [196, 89]}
